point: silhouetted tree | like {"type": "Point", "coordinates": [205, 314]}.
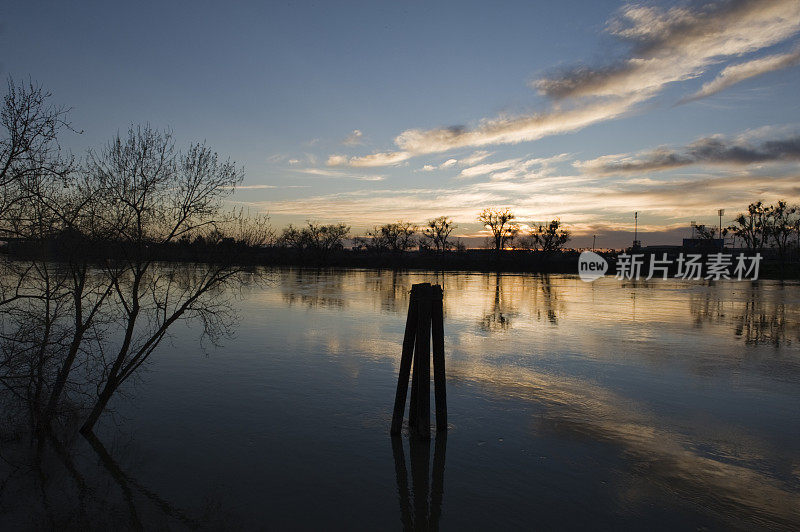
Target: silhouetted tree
{"type": "Point", "coordinates": [317, 239]}
{"type": "Point", "coordinates": [780, 224]}
{"type": "Point", "coordinates": [750, 227]}
{"type": "Point", "coordinates": [705, 232]}
{"type": "Point", "coordinates": [501, 223]}
{"type": "Point", "coordinates": [151, 195]}
{"type": "Point", "coordinates": [547, 237]}
{"type": "Point", "coordinates": [29, 148]}
{"type": "Point", "coordinates": [394, 237]}
{"type": "Point", "coordinates": [437, 231]}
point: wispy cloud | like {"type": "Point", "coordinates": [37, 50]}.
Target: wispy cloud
{"type": "Point", "coordinates": [470, 160]}
{"type": "Point", "coordinates": [579, 200]}
{"type": "Point", "coordinates": [667, 46]}
{"type": "Point", "coordinates": [376, 159]}
{"type": "Point", "coordinates": [677, 44]}
{"type": "Point", "coordinates": [261, 187]}
{"type": "Point", "coordinates": [488, 168]}
{"type": "Point", "coordinates": [354, 138]}
{"type": "Point", "coordinates": [734, 74]}
{"type": "Point", "coordinates": [324, 172]}
{"type": "Point", "coordinates": [709, 150]}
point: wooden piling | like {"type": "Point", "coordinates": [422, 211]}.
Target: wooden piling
{"type": "Point", "coordinates": [437, 330]}
{"type": "Point", "coordinates": [425, 319]}
{"type": "Point", "coordinates": [421, 401]}
{"type": "Point", "coordinates": [405, 365]}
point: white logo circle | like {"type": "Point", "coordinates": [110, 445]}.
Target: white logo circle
{"type": "Point", "coordinates": [591, 266]}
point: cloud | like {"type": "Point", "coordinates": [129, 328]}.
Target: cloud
{"type": "Point", "coordinates": [376, 159]}
{"type": "Point", "coordinates": [573, 199]}
{"type": "Point", "coordinates": [322, 172]}
{"type": "Point", "coordinates": [483, 169]}
{"type": "Point", "coordinates": [709, 150]}
{"type": "Point", "coordinates": [513, 168]}
{"type": "Point", "coordinates": [677, 44]}
{"type": "Point", "coordinates": [734, 74]}
{"type": "Point", "coordinates": [470, 160]}
{"type": "Point", "coordinates": [512, 129]}
{"type": "Point", "coordinates": [354, 138]}
{"type": "Point", "coordinates": [666, 46]}
{"type": "Point", "coordinates": [476, 157]}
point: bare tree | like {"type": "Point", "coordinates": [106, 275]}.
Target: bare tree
{"type": "Point", "coordinates": [438, 232]}
{"type": "Point", "coordinates": [780, 222]}
{"type": "Point", "coordinates": [153, 195]}
{"type": "Point", "coordinates": [750, 227]}
{"type": "Point", "coordinates": [29, 148]}
{"type": "Point", "coordinates": [501, 223]}
{"type": "Point", "coordinates": [394, 237]}
{"type": "Point", "coordinates": [318, 239]}
{"type": "Point", "coordinates": [705, 232]}
{"type": "Point", "coordinates": [44, 307]}
{"type": "Point", "coordinates": [548, 237]}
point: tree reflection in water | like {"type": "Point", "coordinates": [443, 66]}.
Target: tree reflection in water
{"type": "Point", "coordinates": [757, 315]}
{"type": "Point", "coordinates": [509, 290]}
{"type": "Point", "coordinates": [76, 483]}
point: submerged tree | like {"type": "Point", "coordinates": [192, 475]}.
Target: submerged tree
{"type": "Point", "coordinates": [152, 195]}
{"type": "Point", "coordinates": [39, 304]}
{"type": "Point", "coordinates": [501, 223]}
{"type": "Point", "coordinates": [104, 305]}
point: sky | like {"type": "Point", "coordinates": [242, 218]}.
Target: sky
{"type": "Point", "coordinates": [372, 112]}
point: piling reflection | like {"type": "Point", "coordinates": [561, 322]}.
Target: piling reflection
{"type": "Point", "coordinates": [421, 505]}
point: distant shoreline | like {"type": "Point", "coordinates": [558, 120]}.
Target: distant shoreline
{"type": "Point", "coordinates": [471, 260]}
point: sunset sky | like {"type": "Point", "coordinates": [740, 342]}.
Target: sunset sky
{"type": "Point", "coordinates": [370, 112]}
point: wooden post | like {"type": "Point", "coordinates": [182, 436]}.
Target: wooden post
{"type": "Point", "coordinates": [405, 364]}
{"type": "Point", "coordinates": [425, 319]}
{"type": "Point", "coordinates": [437, 330]}
{"type": "Point", "coordinates": [421, 423]}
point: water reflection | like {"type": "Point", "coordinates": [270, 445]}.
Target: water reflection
{"type": "Point", "coordinates": [313, 289]}
{"type": "Point", "coordinates": [508, 292]}
{"type": "Point", "coordinates": [755, 314]}
{"type": "Point", "coordinates": [681, 398]}
{"type": "Point", "coordinates": [69, 483]}
{"type": "Point", "coordinates": [420, 506]}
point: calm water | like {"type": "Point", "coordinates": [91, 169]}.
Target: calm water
{"type": "Point", "coordinates": [648, 405]}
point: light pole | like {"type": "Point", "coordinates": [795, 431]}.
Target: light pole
{"type": "Point", "coordinates": [594, 241]}
{"type": "Point", "coordinates": [694, 224]}
{"type": "Point", "coordinates": [721, 238]}
{"type": "Point", "coordinates": [636, 229]}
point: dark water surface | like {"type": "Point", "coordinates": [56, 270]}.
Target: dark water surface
{"type": "Point", "coordinates": [571, 405]}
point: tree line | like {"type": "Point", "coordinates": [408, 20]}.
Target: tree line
{"type": "Point", "coordinates": [434, 236]}
{"type": "Point", "coordinates": [761, 227]}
